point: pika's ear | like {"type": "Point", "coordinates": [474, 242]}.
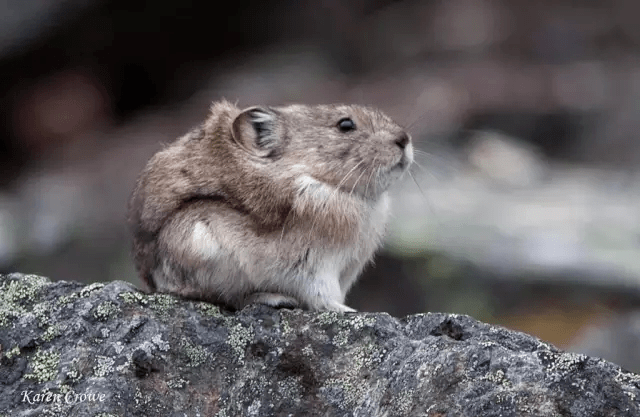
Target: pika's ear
{"type": "Point", "coordinates": [256, 129]}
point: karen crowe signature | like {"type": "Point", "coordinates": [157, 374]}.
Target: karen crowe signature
{"type": "Point", "coordinates": [70, 397]}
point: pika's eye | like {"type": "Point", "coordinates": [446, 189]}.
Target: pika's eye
{"type": "Point", "coordinates": [346, 125]}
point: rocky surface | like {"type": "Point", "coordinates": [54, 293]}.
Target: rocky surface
{"type": "Point", "coordinates": [110, 350]}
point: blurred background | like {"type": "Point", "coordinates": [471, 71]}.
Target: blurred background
{"type": "Point", "coordinates": [524, 206]}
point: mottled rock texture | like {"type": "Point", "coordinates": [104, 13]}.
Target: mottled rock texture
{"type": "Point", "coordinates": [110, 350]}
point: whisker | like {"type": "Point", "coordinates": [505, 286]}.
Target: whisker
{"type": "Point", "coordinates": [373, 165]}
{"type": "Point", "coordinates": [420, 167]}
{"type": "Point", "coordinates": [420, 151]}
{"type": "Point", "coordinates": [356, 183]}
{"type": "Point", "coordinates": [376, 183]}
{"type": "Point", "coordinates": [415, 121]}
{"type": "Point", "coordinates": [284, 224]}
{"type": "Point", "coordinates": [426, 199]}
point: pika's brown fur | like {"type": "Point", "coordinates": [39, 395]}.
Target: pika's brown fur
{"type": "Point", "coordinates": [278, 205]}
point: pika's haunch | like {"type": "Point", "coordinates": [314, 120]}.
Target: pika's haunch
{"type": "Point", "coordinates": [276, 205]}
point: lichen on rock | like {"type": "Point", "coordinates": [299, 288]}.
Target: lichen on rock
{"type": "Point", "coordinates": [111, 350]}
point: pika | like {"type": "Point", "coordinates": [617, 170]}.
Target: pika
{"type": "Point", "coordinates": [282, 206]}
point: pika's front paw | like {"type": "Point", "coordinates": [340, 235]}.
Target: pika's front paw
{"type": "Point", "coordinates": [272, 299]}
{"type": "Point", "coordinates": [339, 307]}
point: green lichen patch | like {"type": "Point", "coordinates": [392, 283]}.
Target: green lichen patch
{"type": "Point", "coordinates": [51, 333]}
{"type": "Point", "coordinates": [328, 318]}
{"type": "Point", "coordinates": [12, 352]}
{"type": "Point", "coordinates": [162, 304]}
{"type": "Point", "coordinates": [44, 366]}
{"type": "Point", "coordinates": [365, 358]}
{"type": "Point", "coordinates": [197, 354]}
{"type": "Point", "coordinates": [208, 309]}
{"type": "Point", "coordinates": [498, 377]}
{"type": "Point", "coordinates": [239, 338]}
{"type": "Point", "coordinates": [131, 297]}
{"type": "Point", "coordinates": [344, 326]}
{"type": "Point", "coordinates": [68, 299]}
{"type": "Point", "coordinates": [16, 294]}
{"type": "Point", "coordinates": [83, 293]}
{"type": "Point", "coordinates": [105, 310]}
{"type": "Point", "coordinates": [42, 312]}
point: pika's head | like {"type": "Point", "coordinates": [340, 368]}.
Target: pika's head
{"type": "Point", "coordinates": [354, 149]}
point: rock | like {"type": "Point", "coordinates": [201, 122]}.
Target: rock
{"type": "Point", "coordinates": [616, 338]}
{"type": "Point", "coordinates": [110, 350]}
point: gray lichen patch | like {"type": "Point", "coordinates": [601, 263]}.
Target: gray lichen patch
{"type": "Point", "coordinates": [404, 402]}
{"type": "Point", "coordinates": [177, 383]}
{"type": "Point", "coordinates": [359, 322]}
{"type": "Point", "coordinates": [341, 338]}
{"type": "Point", "coordinates": [104, 366]}
{"type": "Point", "coordinates": [73, 373]}
{"type": "Point", "coordinates": [559, 364]}
{"type": "Point", "coordinates": [90, 289]}
{"type": "Point", "coordinates": [307, 351]}
{"type": "Point", "coordinates": [162, 345]}
{"type": "Point", "coordinates": [44, 366]}
{"type": "Point", "coordinates": [285, 326]}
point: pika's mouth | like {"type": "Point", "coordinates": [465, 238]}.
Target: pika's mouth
{"type": "Point", "coordinates": [405, 160]}
{"type": "Point", "coordinates": [401, 165]}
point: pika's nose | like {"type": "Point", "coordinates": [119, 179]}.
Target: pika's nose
{"type": "Point", "coordinates": [403, 140]}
